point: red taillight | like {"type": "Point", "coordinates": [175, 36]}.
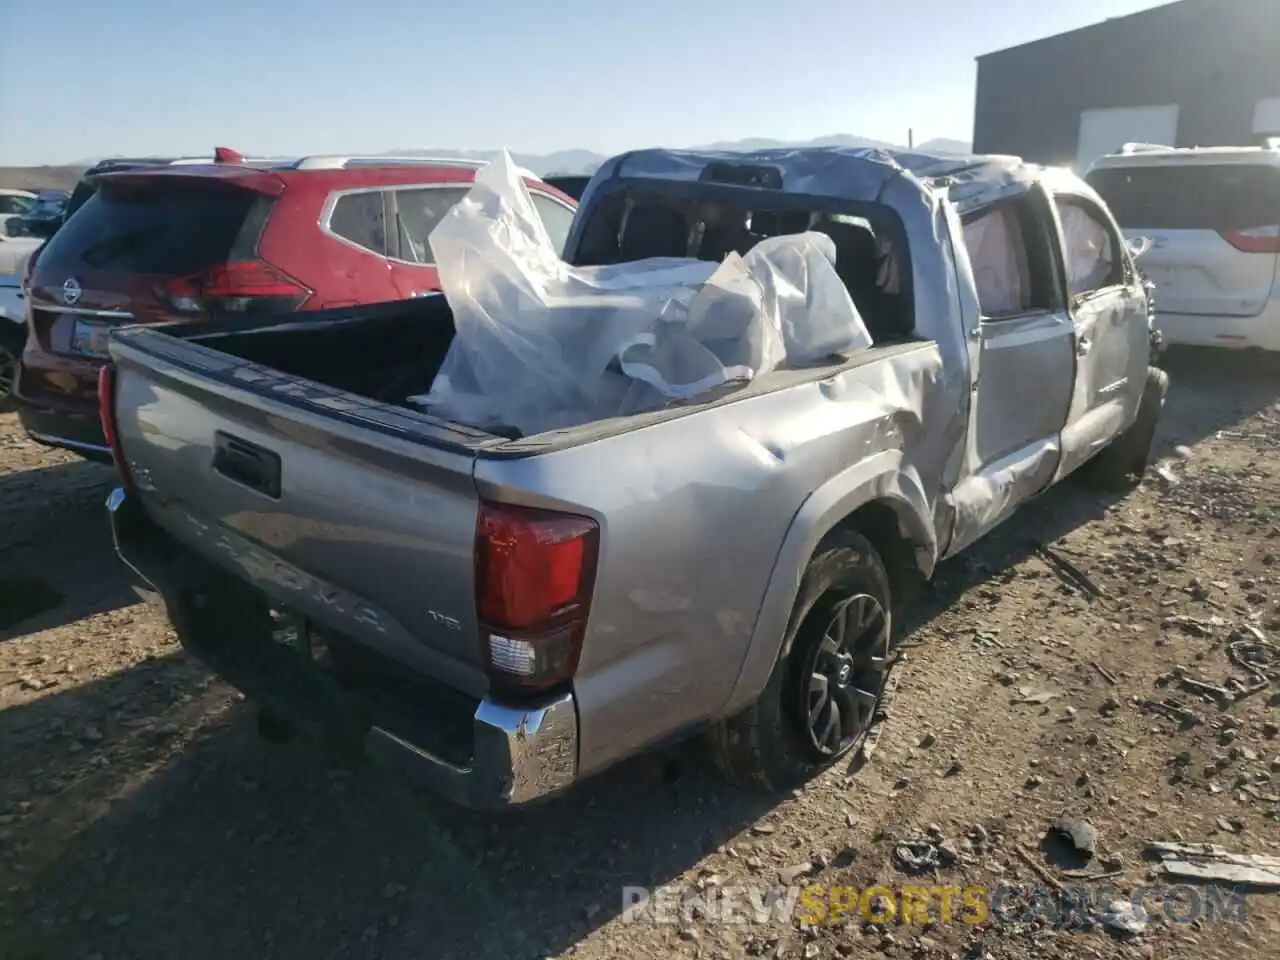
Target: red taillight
{"type": "Point", "coordinates": [1255, 239]}
{"type": "Point", "coordinates": [242, 286]}
{"type": "Point", "coordinates": [107, 417]}
{"type": "Point", "coordinates": [535, 570]}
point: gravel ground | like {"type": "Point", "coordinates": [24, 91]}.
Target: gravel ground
{"type": "Point", "coordinates": [141, 818]}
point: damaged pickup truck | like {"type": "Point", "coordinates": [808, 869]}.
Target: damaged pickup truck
{"type": "Point", "coordinates": [432, 533]}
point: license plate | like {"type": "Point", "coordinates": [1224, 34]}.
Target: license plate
{"type": "Point", "coordinates": [89, 337]}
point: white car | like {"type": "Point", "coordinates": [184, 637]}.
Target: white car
{"type": "Point", "coordinates": [13, 335]}
{"type": "Point", "coordinates": [14, 254]}
{"type": "Point", "coordinates": [1210, 217]}
{"type": "Point", "coordinates": [13, 204]}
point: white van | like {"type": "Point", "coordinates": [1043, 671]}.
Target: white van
{"type": "Point", "coordinates": [1212, 219]}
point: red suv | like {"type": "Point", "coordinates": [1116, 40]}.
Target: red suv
{"type": "Point", "coordinates": [185, 239]}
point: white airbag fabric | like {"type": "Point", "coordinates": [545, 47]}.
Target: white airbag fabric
{"type": "Point", "coordinates": [998, 257]}
{"type": "Point", "coordinates": [541, 345]}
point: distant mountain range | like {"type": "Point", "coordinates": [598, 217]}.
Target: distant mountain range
{"type": "Point", "coordinates": [543, 164]}
{"type": "Point", "coordinates": [586, 161]}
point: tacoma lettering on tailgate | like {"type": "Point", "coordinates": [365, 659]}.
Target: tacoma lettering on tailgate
{"type": "Point", "coordinates": [262, 566]}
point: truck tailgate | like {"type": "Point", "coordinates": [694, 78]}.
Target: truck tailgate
{"type": "Point", "coordinates": [308, 494]}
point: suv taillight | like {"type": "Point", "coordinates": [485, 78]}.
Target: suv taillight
{"type": "Point", "coordinates": [107, 417]}
{"type": "Point", "coordinates": [1254, 240]}
{"type": "Point", "coordinates": [242, 286]}
{"type": "Point", "coordinates": [535, 571]}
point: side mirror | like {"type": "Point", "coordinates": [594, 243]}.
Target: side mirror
{"type": "Point", "coordinates": [1138, 246]}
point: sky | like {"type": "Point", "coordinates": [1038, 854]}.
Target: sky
{"type": "Point", "coordinates": [83, 78]}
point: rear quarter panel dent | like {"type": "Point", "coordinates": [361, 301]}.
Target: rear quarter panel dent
{"type": "Point", "coordinates": [884, 478]}
{"type": "Point", "coordinates": [694, 514]}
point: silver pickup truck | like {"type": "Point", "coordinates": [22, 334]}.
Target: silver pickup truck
{"type": "Point", "coordinates": [501, 616]}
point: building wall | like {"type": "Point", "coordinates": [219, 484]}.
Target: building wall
{"type": "Point", "coordinates": [1214, 58]}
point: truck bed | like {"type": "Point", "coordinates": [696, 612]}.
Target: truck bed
{"type": "Point", "coordinates": [361, 364]}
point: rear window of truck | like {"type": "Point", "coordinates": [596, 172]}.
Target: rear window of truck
{"type": "Point", "coordinates": [675, 220]}
{"type": "Point", "coordinates": [158, 228]}
{"type": "Point", "coordinates": [1191, 196]}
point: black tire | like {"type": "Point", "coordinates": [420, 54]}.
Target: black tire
{"type": "Point", "coordinates": [11, 344]}
{"type": "Point", "coordinates": [1122, 464]}
{"type": "Point", "coordinates": [773, 744]}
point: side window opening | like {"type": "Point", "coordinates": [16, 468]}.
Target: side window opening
{"type": "Point", "coordinates": [556, 217]}
{"type": "Point", "coordinates": [1009, 254]}
{"type": "Point", "coordinates": [418, 211]}
{"type": "Point", "coordinates": [358, 218]}
{"type": "Point", "coordinates": [1092, 256]}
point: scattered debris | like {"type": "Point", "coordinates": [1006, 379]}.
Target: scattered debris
{"type": "Point", "coordinates": [789, 875]}
{"type": "Point", "coordinates": [1207, 861]}
{"type": "Point", "coordinates": [1173, 710]}
{"type": "Point", "coordinates": [1103, 672]}
{"type": "Point", "coordinates": [1208, 690]}
{"type": "Point", "coordinates": [921, 856]}
{"type": "Point", "coordinates": [1041, 871]}
{"type": "Point", "coordinates": [1081, 833]}
{"type": "Point", "coordinates": [1068, 572]}
{"type": "Point", "coordinates": [1123, 917]}
{"type": "Point", "coordinates": [1260, 658]}
{"type": "Point", "coordinates": [1195, 626]}
{"type": "Point", "coordinates": [1026, 696]}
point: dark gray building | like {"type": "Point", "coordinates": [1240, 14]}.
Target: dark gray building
{"type": "Point", "coordinates": [1197, 72]}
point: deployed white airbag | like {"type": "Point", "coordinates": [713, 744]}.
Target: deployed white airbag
{"type": "Point", "coordinates": [541, 345]}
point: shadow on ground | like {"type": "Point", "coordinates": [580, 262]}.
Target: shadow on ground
{"type": "Point", "coordinates": [143, 818]}
{"type": "Point", "coordinates": [57, 562]}
{"type": "Point", "coordinates": [1212, 390]}
{"type": "Point", "coordinates": [225, 846]}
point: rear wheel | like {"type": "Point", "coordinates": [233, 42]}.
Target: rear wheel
{"type": "Point", "coordinates": [821, 700]}
{"type": "Point", "coordinates": [1122, 464]}
{"type": "Point", "coordinates": [11, 343]}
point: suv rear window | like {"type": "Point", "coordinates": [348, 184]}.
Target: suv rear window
{"type": "Point", "coordinates": [1191, 197]}
{"type": "Point", "coordinates": [153, 228]}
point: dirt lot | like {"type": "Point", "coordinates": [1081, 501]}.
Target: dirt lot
{"type": "Point", "coordinates": [40, 178]}
{"type": "Point", "coordinates": [140, 817]}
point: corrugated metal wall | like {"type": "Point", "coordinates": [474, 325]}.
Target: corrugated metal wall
{"type": "Point", "coordinates": [1214, 58]}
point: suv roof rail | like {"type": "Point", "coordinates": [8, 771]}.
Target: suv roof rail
{"type": "Point", "coordinates": [1145, 148]}
{"type": "Point", "coordinates": [346, 162]}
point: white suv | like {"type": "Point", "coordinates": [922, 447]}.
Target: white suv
{"type": "Point", "coordinates": [1212, 219]}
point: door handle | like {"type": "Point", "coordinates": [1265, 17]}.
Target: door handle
{"type": "Point", "coordinates": [1083, 346]}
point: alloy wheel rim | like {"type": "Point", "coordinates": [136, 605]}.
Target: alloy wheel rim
{"type": "Point", "coordinates": [845, 674]}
